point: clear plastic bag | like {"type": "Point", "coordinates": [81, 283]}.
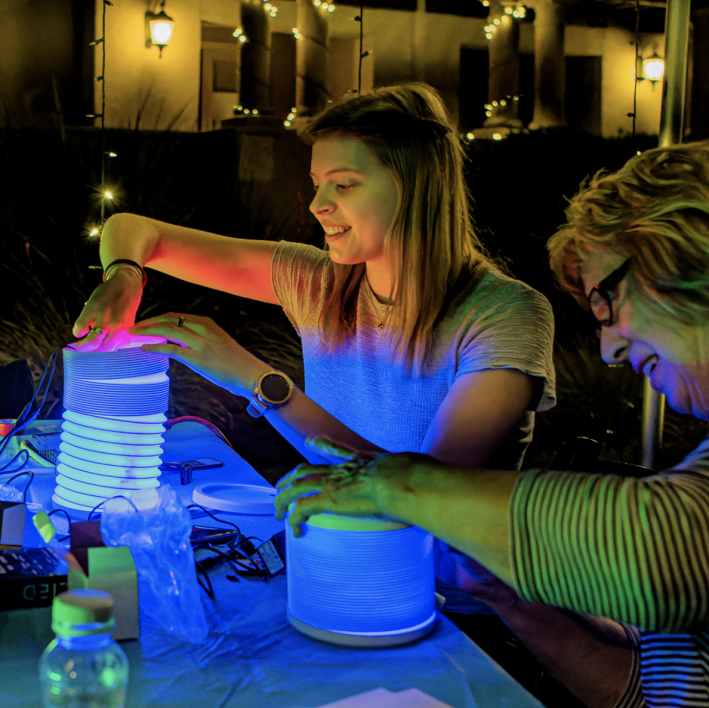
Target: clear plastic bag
{"type": "Point", "coordinates": [10, 494]}
{"type": "Point", "coordinates": [156, 527]}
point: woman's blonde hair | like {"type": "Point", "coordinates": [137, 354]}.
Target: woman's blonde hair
{"type": "Point", "coordinates": [654, 211]}
{"type": "Point", "coordinates": [431, 244]}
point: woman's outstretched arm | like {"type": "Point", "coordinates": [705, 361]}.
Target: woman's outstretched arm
{"type": "Point", "coordinates": [238, 266]}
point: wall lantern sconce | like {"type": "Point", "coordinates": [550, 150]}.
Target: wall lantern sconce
{"type": "Point", "coordinates": [653, 67]}
{"type": "Point", "coordinates": [158, 28]}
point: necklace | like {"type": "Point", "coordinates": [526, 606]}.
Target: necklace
{"type": "Point", "coordinates": [377, 306]}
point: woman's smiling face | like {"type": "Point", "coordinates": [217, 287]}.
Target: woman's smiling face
{"type": "Point", "coordinates": [355, 201]}
{"type": "Point", "coordinates": [674, 355]}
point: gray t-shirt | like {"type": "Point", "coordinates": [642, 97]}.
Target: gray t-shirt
{"type": "Point", "coordinates": [499, 323]}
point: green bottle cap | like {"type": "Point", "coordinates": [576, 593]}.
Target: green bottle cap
{"type": "Point", "coordinates": [82, 612]}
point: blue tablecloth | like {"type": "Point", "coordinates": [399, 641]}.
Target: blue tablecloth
{"type": "Point", "coordinates": [252, 656]}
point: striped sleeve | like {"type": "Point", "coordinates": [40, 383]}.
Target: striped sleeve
{"type": "Point", "coordinates": [636, 550]}
{"type": "Point", "coordinates": [633, 695]}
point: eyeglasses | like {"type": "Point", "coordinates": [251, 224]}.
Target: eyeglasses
{"type": "Point", "coordinates": [601, 297]}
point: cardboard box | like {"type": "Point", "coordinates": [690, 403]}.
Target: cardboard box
{"type": "Point", "coordinates": [92, 565]}
{"type": "Point", "coordinates": [12, 524]}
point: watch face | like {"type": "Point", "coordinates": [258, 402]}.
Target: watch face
{"type": "Point", "coordinates": [275, 388]}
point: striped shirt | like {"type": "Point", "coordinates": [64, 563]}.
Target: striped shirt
{"type": "Point", "coordinates": [635, 550]}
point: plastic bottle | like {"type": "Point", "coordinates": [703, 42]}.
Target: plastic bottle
{"type": "Point", "coordinates": [83, 667]}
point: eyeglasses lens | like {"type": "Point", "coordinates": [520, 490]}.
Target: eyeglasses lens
{"type": "Point", "coordinates": [600, 307]}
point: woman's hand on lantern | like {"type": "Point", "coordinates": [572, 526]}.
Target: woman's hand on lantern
{"type": "Point", "coordinates": [356, 487]}
{"type": "Point", "coordinates": [108, 314]}
{"type": "Point", "coordinates": [198, 342]}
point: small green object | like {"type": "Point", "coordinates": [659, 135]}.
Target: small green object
{"type": "Point", "coordinates": [44, 526]}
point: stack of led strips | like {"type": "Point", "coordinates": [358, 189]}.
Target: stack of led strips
{"type": "Point", "coordinates": [360, 582]}
{"type": "Point", "coordinates": [113, 426]}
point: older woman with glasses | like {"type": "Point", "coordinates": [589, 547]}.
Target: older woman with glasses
{"type": "Point", "coordinates": [635, 252]}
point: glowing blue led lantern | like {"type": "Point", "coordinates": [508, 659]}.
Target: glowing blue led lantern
{"type": "Point", "coordinates": [112, 433]}
{"type": "Point", "coordinates": [360, 582]}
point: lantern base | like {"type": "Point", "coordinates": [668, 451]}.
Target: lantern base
{"type": "Point", "coordinates": [365, 640]}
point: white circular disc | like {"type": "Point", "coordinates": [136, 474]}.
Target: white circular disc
{"type": "Point", "coordinates": [236, 498]}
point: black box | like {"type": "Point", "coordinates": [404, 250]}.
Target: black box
{"type": "Point", "coordinates": [30, 577]}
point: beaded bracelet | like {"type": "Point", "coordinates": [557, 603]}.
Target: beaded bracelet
{"type": "Point", "coordinates": [125, 261]}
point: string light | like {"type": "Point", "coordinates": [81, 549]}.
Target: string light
{"type": "Point", "coordinates": [470, 136]}
{"type": "Point", "coordinates": [291, 117]}
{"type": "Point", "coordinates": [520, 12]}
{"type": "Point", "coordinates": [496, 136]}
{"type": "Point", "coordinates": [108, 195]}
{"type": "Point", "coordinates": [490, 107]}
{"type": "Point", "coordinates": [239, 34]}
{"type": "Point", "coordinates": [270, 8]}
{"type": "Point", "coordinates": [296, 33]}
{"type": "Point", "coordinates": [245, 111]}
{"type": "Point", "coordinates": [94, 232]}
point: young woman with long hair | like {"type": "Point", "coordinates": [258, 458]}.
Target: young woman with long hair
{"type": "Point", "coordinates": [413, 340]}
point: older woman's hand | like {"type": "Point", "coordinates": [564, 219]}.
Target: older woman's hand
{"type": "Point", "coordinates": [201, 344]}
{"type": "Point", "coordinates": [356, 487]}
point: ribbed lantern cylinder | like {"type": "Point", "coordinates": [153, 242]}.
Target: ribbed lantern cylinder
{"type": "Point", "coordinates": [360, 582]}
{"type": "Point", "coordinates": [112, 432]}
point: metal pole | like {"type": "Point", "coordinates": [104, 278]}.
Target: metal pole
{"type": "Point", "coordinates": [674, 86]}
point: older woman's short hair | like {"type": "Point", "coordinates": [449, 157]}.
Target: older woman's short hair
{"type": "Point", "coordinates": [654, 211]}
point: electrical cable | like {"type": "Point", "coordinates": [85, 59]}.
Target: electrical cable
{"type": "Point", "coordinates": [118, 496]}
{"type": "Point", "coordinates": [27, 486]}
{"type": "Point", "coordinates": [360, 18]}
{"type": "Point", "coordinates": [209, 513]}
{"type": "Point", "coordinates": [195, 419]}
{"type": "Point", "coordinates": [68, 518]}
{"type": "Point", "coordinates": [26, 418]}
{"type": "Point", "coordinates": [24, 462]}
{"type": "Point", "coordinates": [637, 60]}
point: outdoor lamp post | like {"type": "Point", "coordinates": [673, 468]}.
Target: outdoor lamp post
{"type": "Point", "coordinates": [653, 67]}
{"type": "Point", "coordinates": [159, 28]}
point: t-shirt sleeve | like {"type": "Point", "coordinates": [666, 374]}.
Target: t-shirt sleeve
{"type": "Point", "coordinates": [298, 277]}
{"type": "Point", "coordinates": [513, 330]}
{"type": "Point", "coordinates": [635, 550]}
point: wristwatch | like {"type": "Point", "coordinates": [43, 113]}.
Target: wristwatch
{"type": "Point", "coordinates": [272, 390]}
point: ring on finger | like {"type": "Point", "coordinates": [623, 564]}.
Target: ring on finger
{"type": "Point", "coordinates": [180, 321]}
{"type": "Point", "coordinates": [98, 330]}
